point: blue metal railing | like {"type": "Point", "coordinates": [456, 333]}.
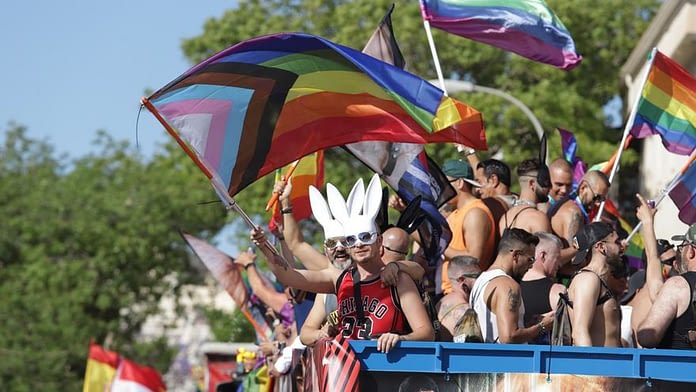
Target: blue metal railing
{"type": "Point", "coordinates": [453, 358]}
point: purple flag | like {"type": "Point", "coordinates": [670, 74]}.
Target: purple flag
{"type": "Point", "coordinates": [683, 194]}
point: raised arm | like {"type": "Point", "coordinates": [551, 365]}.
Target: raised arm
{"type": "Point", "coordinates": [311, 258]}
{"type": "Point", "coordinates": [266, 294]}
{"type": "Point", "coordinates": [653, 272]}
{"type": "Point", "coordinates": [323, 281]}
{"type": "Point", "coordinates": [585, 293]}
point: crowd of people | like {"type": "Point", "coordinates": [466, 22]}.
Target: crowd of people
{"type": "Point", "coordinates": [513, 260]}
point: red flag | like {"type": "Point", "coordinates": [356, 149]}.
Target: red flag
{"type": "Point", "coordinates": [101, 368]}
{"type": "Point", "coordinates": [340, 367]}
{"type": "Point", "coordinates": [309, 171]}
{"type": "Point", "coordinates": [132, 377]}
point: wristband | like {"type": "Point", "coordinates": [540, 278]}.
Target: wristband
{"type": "Point", "coordinates": [287, 210]}
{"type": "Point", "coordinates": [249, 265]}
{"type": "Point", "coordinates": [542, 329]}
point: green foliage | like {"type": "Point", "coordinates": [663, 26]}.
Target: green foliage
{"type": "Point", "coordinates": [229, 327]}
{"type": "Point", "coordinates": [87, 249]}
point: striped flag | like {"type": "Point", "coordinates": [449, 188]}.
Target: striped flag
{"type": "Point", "coordinates": [132, 377]}
{"type": "Point", "coordinates": [667, 106]}
{"type": "Point", "coordinates": [526, 27]}
{"type": "Point", "coordinates": [101, 368]}
{"type": "Point", "coordinates": [309, 171]}
{"type": "Point", "coordinates": [341, 368]}
{"type": "Point", "coordinates": [683, 194]}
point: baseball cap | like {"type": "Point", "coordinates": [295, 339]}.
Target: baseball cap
{"type": "Point", "coordinates": [587, 237]}
{"type": "Point", "coordinates": [689, 236]}
{"type": "Point", "coordinates": [635, 282]}
{"type": "Point", "coordinates": [457, 168]}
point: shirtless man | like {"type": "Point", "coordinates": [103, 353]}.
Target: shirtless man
{"type": "Point", "coordinates": [496, 295]}
{"type": "Point", "coordinates": [595, 313]}
{"type": "Point", "coordinates": [524, 213]}
{"type": "Point", "coordinates": [463, 271]}
{"type": "Point", "coordinates": [568, 215]}
{"type": "Point", "coordinates": [561, 179]}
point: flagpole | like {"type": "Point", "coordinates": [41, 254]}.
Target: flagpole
{"type": "Point", "coordinates": [665, 191]}
{"type": "Point", "coordinates": [433, 51]}
{"type": "Point", "coordinates": [276, 195]}
{"type": "Point", "coordinates": [219, 188]}
{"type": "Point", "coordinates": [627, 128]}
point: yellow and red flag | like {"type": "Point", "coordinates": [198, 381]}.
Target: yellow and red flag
{"type": "Point", "coordinates": [101, 368]}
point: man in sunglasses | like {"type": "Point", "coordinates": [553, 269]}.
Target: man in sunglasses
{"type": "Point", "coordinates": [570, 213]}
{"type": "Point", "coordinates": [595, 314]}
{"type": "Point", "coordinates": [671, 321]}
{"type": "Point", "coordinates": [496, 295]}
{"type": "Point", "coordinates": [539, 291]}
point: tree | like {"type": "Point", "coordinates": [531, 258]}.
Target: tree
{"type": "Point", "coordinates": [605, 33]}
{"type": "Point", "coordinates": [88, 248]}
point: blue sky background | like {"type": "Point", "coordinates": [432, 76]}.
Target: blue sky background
{"type": "Point", "coordinates": [72, 67]}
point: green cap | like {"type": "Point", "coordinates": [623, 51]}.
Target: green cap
{"type": "Point", "coordinates": [690, 235]}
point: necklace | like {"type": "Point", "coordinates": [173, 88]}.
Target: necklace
{"type": "Point", "coordinates": [521, 202]}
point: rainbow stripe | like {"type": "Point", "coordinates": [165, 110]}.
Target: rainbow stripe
{"type": "Point", "coordinates": [268, 101]}
{"type": "Point", "coordinates": [526, 27]}
{"type": "Point", "coordinates": [667, 106]}
{"type": "Point", "coordinates": [683, 194]}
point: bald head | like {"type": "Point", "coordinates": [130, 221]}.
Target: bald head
{"type": "Point", "coordinates": [396, 243]}
{"type": "Point", "coordinates": [593, 189]}
{"type": "Point", "coordinates": [561, 178]}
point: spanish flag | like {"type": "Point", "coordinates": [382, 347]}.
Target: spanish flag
{"type": "Point", "coordinates": [101, 368]}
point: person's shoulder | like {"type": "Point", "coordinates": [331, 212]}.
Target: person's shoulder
{"type": "Point", "coordinates": [675, 284]}
{"type": "Point", "coordinates": [584, 279]}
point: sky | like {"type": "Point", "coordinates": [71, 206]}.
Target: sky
{"type": "Point", "coordinates": [70, 68]}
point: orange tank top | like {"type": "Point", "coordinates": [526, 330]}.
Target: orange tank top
{"type": "Point", "coordinates": [456, 224]}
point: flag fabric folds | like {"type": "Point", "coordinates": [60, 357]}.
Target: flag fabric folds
{"type": "Point", "coordinates": [132, 377]}
{"type": "Point", "coordinates": [382, 44]}
{"type": "Point", "coordinates": [268, 101]}
{"type": "Point", "coordinates": [526, 27]}
{"type": "Point", "coordinates": [309, 171]}
{"type": "Point", "coordinates": [101, 368]}
{"type": "Point", "coordinates": [683, 194]}
{"type": "Point", "coordinates": [667, 106]}
{"type": "Point", "coordinates": [569, 145]}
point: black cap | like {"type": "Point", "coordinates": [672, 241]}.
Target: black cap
{"type": "Point", "coordinates": [587, 237]}
{"type": "Point", "coordinates": [636, 282]}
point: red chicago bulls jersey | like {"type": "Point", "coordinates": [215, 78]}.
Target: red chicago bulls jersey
{"type": "Point", "coordinates": [381, 308]}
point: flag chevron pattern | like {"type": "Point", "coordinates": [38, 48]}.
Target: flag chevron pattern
{"type": "Point", "coordinates": [526, 27]}
{"type": "Point", "coordinates": [268, 101]}
{"type": "Point", "coordinates": [667, 106]}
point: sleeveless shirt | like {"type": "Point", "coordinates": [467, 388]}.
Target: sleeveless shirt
{"type": "Point", "coordinates": [486, 318]}
{"type": "Point", "coordinates": [677, 336]}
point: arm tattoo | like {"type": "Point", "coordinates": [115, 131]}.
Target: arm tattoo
{"type": "Point", "coordinates": [514, 300]}
{"type": "Point", "coordinates": [574, 226]}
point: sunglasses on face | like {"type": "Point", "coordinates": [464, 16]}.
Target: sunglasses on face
{"type": "Point", "coordinates": [596, 198]}
{"type": "Point", "coordinates": [681, 246]}
{"type": "Point", "coordinates": [395, 251]}
{"type": "Point", "coordinates": [334, 242]}
{"type": "Point", "coordinates": [364, 238]}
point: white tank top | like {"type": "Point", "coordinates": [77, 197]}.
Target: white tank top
{"type": "Point", "coordinates": [486, 318]}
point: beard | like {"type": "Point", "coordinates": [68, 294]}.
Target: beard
{"type": "Point", "coordinates": [540, 196]}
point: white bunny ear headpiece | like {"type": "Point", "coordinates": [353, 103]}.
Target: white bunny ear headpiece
{"type": "Point", "coordinates": [365, 221]}
{"type": "Point", "coordinates": [322, 213]}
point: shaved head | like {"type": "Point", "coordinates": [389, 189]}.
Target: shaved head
{"type": "Point", "coordinates": [396, 243]}
{"type": "Point", "coordinates": [561, 178]}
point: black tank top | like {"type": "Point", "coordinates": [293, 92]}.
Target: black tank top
{"type": "Point", "coordinates": [676, 336]}
{"type": "Point", "coordinates": [535, 296]}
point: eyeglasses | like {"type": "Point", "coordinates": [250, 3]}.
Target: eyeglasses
{"type": "Point", "coordinates": [682, 245]}
{"type": "Point", "coordinates": [334, 242]}
{"type": "Point", "coordinates": [669, 261]}
{"type": "Point", "coordinates": [596, 198]}
{"type": "Point", "coordinates": [364, 238]}
{"type": "Point", "coordinates": [394, 250]}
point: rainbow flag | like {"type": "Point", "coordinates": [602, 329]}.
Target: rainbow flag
{"type": "Point", "coordinates": [268, 101]}
{"type": "Point", "coordinates": [101, 368]}
{"type": "Point", "coordinates": [634, 251]}
{"type": "Point", "coordinates": [309, 171]}
{"type": "Point", "coordinates": [683, 194]}
{"type": "Point", "coordinates": [526, 27]}
{"type": "Point", "coordinates": [667, 106]}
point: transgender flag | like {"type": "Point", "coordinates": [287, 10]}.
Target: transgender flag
{"type": "Point", "coordinates": [526, 27]}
